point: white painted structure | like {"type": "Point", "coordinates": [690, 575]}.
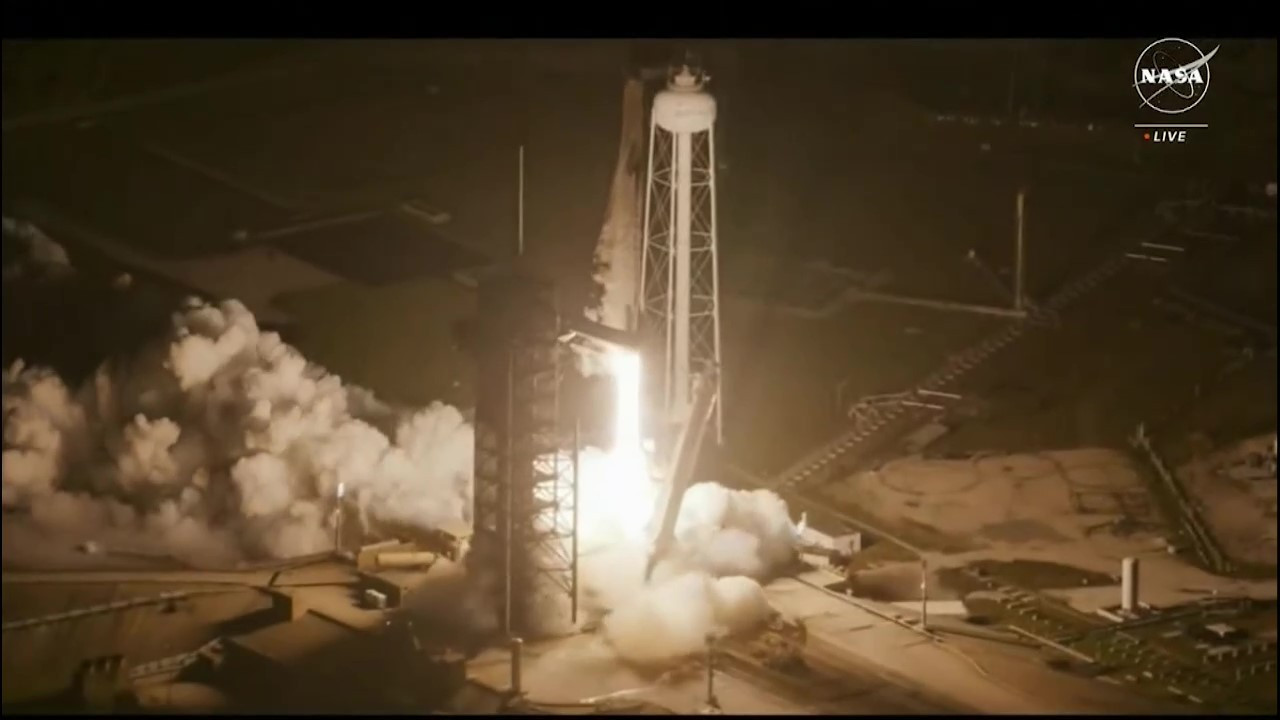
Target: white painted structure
{"type": "Point", "coordinates": [680, 278]}
{"type": "Point", "coordinates": [1129, 584]}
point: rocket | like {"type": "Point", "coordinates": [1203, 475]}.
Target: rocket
{"type": "Point", "coordinates": [683, 462]}
{"type": "Point", "coordinates": [617, 254]}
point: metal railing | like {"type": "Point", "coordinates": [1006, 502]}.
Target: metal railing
{"type": "Point", "coordinates": [1202, 540]}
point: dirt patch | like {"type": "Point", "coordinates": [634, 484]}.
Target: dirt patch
{"type": "Point", "coordinates": [925, 535]}
{"type": "Point", "coordinates": [1043, 498]}
{"type": "Point", "coordinates": [1238, 503]}
{"type": "Point", "coordinates": [1023, 531]}
{"type": "Point", "coordinates": [1037, 575]}
{"type": "Point", "coordinates": [878, 555]}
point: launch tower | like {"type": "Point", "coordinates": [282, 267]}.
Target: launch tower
{"type": "Point", "coordinates": [680, 278]}
{"type": "Point", "coordinates": [525, 485]}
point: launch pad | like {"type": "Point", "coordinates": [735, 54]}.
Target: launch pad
{"type": "Point", "coordinates": [526, 484]}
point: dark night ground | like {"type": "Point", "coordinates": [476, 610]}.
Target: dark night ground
{"type": "Point", "coordinates": [820, 158]}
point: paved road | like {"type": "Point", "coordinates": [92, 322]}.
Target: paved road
{"type": "Point", "coordinates": [578, 669]}
{"type": "Point", "coordinates": [955, 675]}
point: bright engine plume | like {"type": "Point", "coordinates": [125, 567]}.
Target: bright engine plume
{"type": "Point", "coordinates": [619, 492]}
{"type": "Point", "coordinates": [724, 540]}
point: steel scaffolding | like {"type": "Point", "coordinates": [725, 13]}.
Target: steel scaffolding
{"type": "Point", "coordinates": [524, 476]}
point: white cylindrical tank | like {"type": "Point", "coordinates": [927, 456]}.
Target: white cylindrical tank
{"type": "Point", "coordinates": [517, 664]}
{"type": "Point", "coordinates": [683, 108]}
{"type": "Point", "coordinates": [1129, 584]}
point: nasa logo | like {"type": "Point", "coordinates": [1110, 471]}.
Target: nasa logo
{"type": "Point", "coordinates": [1172, 75]}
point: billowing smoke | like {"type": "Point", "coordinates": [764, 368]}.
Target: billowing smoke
{"type": "Point", "coordinates": [735, 532]}
{"type": "Point", "coordinates": [216, 444]}
{"type": "Point", "coordinates": [726, 542]}
{"type": "Point", "coordinates": [671, 618]}
{"type": "Point", "coordinates": [28, 252]}
{"type": "Point", "coordinates": [220, 443]}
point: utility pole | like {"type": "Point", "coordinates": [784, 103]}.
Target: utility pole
{"type": "Point", "coordinates": [520, 207]}
{"type": "Point", "coordinates": [713, 705]}
{"type": "Point", "coordinates": [517, 668]}
{"type": "Point", "coordinates": [573, 599]}
{"type": "Point", "coordinates": [508, 501]}
{"type": "Point", "coordinates": [1018, 254]}
{"type": "Point", "coordinates": [924, 594]}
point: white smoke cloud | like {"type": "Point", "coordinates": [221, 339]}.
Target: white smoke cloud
{"type": "Point", "coordinates": [218, 443]}
{"type": "Point", "coordinates": [726, 542]}
{"type": "Point", "coordinates": [42, 427]}
{"type": "Point", "coordinates": [672, 618]}
{"type": "Point", "coordinates": [735, 532]}
{"type": "Point", "coordinates": [29, 252]}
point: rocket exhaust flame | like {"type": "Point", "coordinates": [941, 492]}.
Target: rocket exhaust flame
{"type": "Point", "coordinates": [658, 608]}
{"type": "Point", "coordinates": [616, 489]}
{"type": "Point", "coordinates": [637, 492]}
{"type": "Point", "coordinates": [683, 463]}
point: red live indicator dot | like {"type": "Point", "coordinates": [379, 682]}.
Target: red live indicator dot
{"type": "Point", "coordinates": [1146, 136]}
